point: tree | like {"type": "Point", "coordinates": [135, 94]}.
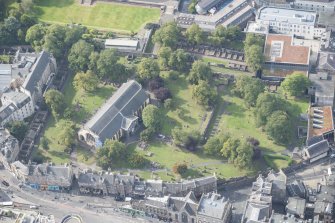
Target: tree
{"type": "Point", "coordinates": [267, 104]}
{"type": "Point", "coordinates": [87, 81]}
{"type": "Point", "coordinates": [27, 21]}
{"type": "Point", "coordinates": [168, 104]}
{"type": "Point", "coordinates": [67, 134]}
{"type": "Point", "coordinates": [27, 5]}
{"type": "Point", "coordinates": [78, 55]}
{"type": "Point", "coordinates": [162, 93]}
{"type": "Point", "coordinates": [253, 48]}
{"type": "Point", "coordinates": [151, 117]}
{"type": "Point", "coordinates": [204, 94]}
{"type": "Point", "coordinates": [254, 57]}
{"type": "Point", "coordinates": [110, 152]}
{"type": "Point", "coordinates": [147, 134]}
{"type": "Point", "coordinates": [17, 129]}
{"type": "Point", "coordinates": [93, 60]}
{"type": "Point", "coordinates": [195, 35]}
{"type": "Point", "coordinates": [229, 147]}
{"type": "Point", "coordinates": [214, 144]}
{"type": "Point", "coordinates": [137, 161]}
{"type": "Point", "coordinates": [179, 60]}
{"type": "Point", "coordinates": [148, 68]}
{"type": "Point", "coordinates": [179, 168]}
{"type": "Point", "coordinates": [191, 7]}
{"type": "Point", "coordinates": [54, 40]}
{"type": "Point", "coordinates": [249, 88]}
{"type": "Point", "coordinates": [279, 127]}
{"type": "Point", "coordinates": [244, 155]}
{"type": "Point", "coordinates": [168, 35]}
{"type": "Point", "coordinates": [295, 84]}
{"type": "Point", "coordinates": [9, 31]}
{"type": "Point", "coordinates": [35, 36]}
{"type": "Point", "coordinates": [199, 71]}
{"type": "Point", "coordinates": [55, 101]}
{"type": "Point", "coordinates": [106, 63]}
{"type": "Point", "coordinates": [73, 34]}
{"type": "Point", "coordinates": [44, 143]}
{"type": "Point", "coordinates": [120, 73]}
{"type": "Point", "coordinates": [164, 55]}
{"type": "Point", "coordinates": [179, 136]}
{"type": "Point", "coordinates": [155, 83]}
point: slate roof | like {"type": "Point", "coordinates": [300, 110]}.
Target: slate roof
{"type": "Point", "coordinates": [314, 140]}
{"type": "Point", "coordinates": [110, 117]}
{"type": "Point", "coordinates": [5, 76]}
{"type": "Point", "coordinates": [34, 76]}
{"type": "Point", "coordinates": [296, 206]}
{"type": "Point", "coordinates": [257, 212]}
{"type": "Point", "coordinates": [317, 148]}
{"type": "Point", "coordinates": [207, 4]}
{"type": "Point", "coordinates": [6, 111]}
{"type": "Point", "coordinates": [296, 188]}
{"type": "Point", "coordinates": [326, 61]}
{"type": "Point", "coordinates": [18, 98]}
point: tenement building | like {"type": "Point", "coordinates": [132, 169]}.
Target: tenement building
{"type": "Point", "coordinates": [211, 208]}
{"type": "Point", "coordinates": [118, 117]}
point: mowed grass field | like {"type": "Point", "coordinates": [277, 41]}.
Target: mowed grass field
{"type": "Point", "coordinates": [102, 16]}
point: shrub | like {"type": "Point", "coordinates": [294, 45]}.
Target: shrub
{"type": "Point", "coordinates": [162, 93]}
{"type": "Point", "coordinates": [155, 83]}
{"type": "Point", "coordinates": [147, 134]}
{"type": "Point", "coordinates": [168, 103]}
{"type": "Point", "coordinates": [179, 168]}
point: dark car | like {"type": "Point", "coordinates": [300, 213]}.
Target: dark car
{"type": "Point", "coordinates": [5, 183]}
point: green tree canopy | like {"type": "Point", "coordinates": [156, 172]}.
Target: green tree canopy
{"type": "Point", "coordinates": [195, 35]}
{"type": "Point", "coordinates": [78, 55]}
{"type": "Point", "coordinates": [168, 35]}
{"type": "Point", "coordinates": [35, 36]}
{"type": "Point", "coordinates": [164, 55]}
{"type": "Point", "coordinates": [254, 57]}
{"type": "Point", "coordinates": [179, 60]}
{"type": "Point", "coordinates": [267, 104]}
{"type": "Point", "coordinates": [106, 63]}
{"type": "Point", "coordinates": [110, 152]}
{"type": "Point", "coordinates": [295, 84]}
{"type": "Point", "coordinates": [244, 155]}
{"type": "Point", "coordinates": [215, 143]}
{"type": "Point", "coordinates": [55, 101]}
{"type": "Point", "coordinates": [67, 134]}
{"type": "Point", "coordinates": [148, 68]}
{"type": "Point", "coordinates": [279, 127]}
{"type": "Point", "coordinates": [87, 81]}
{"type": "Point", "coordinates": [249, 88]}
{"type": "Point", "coordinates": [151, 116]}
{"type": "Point", "coordinates": [199, 71]}
{"type": "Point", "coordinates": [204, 94]}
{"type": "Point", "coordinates": [17, 129]}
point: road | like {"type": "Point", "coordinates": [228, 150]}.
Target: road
{"type": "Point", "coordinates": [62, 204]}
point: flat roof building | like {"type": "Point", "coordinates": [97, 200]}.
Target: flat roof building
{"type": "Point", "coordinates": [124, 45]}
{"type": "Point", "coordinates": [321, 122]}
{"type": "Point", "coordinates": [5, 76]}
{"type": "Point", "coordinates": [286, 21]}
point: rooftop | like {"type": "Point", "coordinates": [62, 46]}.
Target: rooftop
{"type": "Point", "coordinates": [290, 16]}
{"type": "Point", "coordinates": [296, 206]}
{"type": "Point", "coordinates": [121, 42]}
{"type": "Point", "coordinates": [324, 85]}
{"type": "Point", "coordinates": [326, 61]}
{"type": "Point", "coordinates": [280, 49]}
{"type": "Point", "coordinates": [213, 205]}
{"type": "Point", "coordinates": [5, 76]}
{"type": "Point", "coordinates": [320, 121]}
{"type": "Point", "coordinates": [110, 117]}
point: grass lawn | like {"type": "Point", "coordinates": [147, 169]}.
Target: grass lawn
{"type": "Point", "coordinates": [239, 120]}
{"type": "Point", "coordinates": [192, 117]}
{"type": "Point", "coordinates": [88, 103]}
{"type": "Point", "coordinates": [105, 16]}
{"type": "Point", "coordinates": [198, 163]}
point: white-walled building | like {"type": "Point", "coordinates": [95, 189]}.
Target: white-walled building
{"type": "Point", "coordinates": [286, 21]}
{"type": "Point", "coordinates": [9, 148]}
{"type": "Point", "coordinates": [318, 6]}
{"type": "Point", "coordinates": [16, 106]}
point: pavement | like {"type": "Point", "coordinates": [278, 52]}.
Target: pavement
{"type": "Point", "coordinates": [62, 204]}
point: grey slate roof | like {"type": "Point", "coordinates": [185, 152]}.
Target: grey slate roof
{"type": "Point", "coordinates": [257, 212]}
{"type": "Point", "coordinates": [314, 140]}
{"type": "Point", "coordinates": [17, 98]}
{"type": "Point", "coordinates": [34, 76]}
{"type": "Point", "coordinates": [318, 148]}
{"type": "Point", "coordinates": [296, 188]}
{"type": "Point", "coordinates": [122, 105]}
{"type": "Point", "coordinates": [296, 206]}
{"type": "Point", "coordinates": [326, 61]}
{"type": "Point", "coordinates": [5, 76]}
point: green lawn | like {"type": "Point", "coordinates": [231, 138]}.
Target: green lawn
{"type": "Point", "coordinates": [192, 114]}
{"type": "Point", "coordinates": [198, 163]}
{"type": "Point", "coordinates": [105, 16]}
{"type": "Point", "coordinates": [86, 104]}
{"type": "Point", "coordinates": [239, 120]}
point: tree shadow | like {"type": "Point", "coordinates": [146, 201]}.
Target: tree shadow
{"type": "Point", "coordinates": [191, 173]}
{"type": "Point", "coordinates": [54, 3]}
